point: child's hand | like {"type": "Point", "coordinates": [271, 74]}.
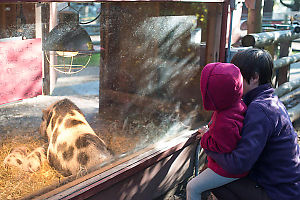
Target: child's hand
{"type": "Point", "coordinates": [202, 130]}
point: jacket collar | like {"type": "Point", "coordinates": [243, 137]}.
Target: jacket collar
{"type": "Point", "coordinates": [251, 95]}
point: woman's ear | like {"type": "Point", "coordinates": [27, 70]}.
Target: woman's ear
{"type": "Point", "coordinates": [255, 79]}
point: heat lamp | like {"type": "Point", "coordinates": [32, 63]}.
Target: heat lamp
{"type": "Point", "coordinates": [68, 43]}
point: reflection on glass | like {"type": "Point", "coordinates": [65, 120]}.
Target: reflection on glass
{"type": "Point", "coordinates": [144, 78]}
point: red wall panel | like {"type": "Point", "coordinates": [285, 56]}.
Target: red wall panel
{"type": "Point", "coordinates": [20, 69]}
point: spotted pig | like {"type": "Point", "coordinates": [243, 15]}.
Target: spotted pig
{"type": "Point", "coordinates": [21, 158]}
{"type": "Point", "coordinates": [16, 157]}
{"type": "Point", "coordinates": [34, 160]}
{"type": "Point", "coordinates": [73, 145]}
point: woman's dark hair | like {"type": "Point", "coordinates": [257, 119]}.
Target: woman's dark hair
{"type": "Point", "coordinates": [251, 61]}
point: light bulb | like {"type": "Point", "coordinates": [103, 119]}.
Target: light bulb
{"type": "Point", "coordinates": [67, 54]}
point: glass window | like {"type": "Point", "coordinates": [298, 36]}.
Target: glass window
{"type": "Point", "coordinates": [136, 86]}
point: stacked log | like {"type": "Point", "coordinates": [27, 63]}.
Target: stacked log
{"type": "Point", "coordinates": [284, 61]}
{"type": "Point", "coordinates": [289, 93]}
{"type": "Point", "coordinates": [260, 40]}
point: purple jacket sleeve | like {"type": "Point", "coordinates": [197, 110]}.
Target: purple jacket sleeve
{"type": "Point", "coordinates": [256, 130]}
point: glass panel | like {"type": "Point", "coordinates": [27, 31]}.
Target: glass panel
{"type": "Point", "coordinates": [139, 85]}
{"type": "Point", "coordinates": [152, 89]}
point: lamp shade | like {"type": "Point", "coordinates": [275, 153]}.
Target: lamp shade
{"type": "Point", "coordinates": [68, 35]}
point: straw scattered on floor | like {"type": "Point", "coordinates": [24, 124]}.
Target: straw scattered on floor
{"type": "Point", "coordinates": [15, 183]}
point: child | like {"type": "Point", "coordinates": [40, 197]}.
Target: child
{"type": "Point", "coordinates": [221, 89]}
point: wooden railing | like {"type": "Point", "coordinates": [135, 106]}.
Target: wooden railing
{"type": "Point", "coordinates": [279, 45]}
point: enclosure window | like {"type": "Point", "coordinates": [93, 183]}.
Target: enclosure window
{"type": "Point", "coordinates": [140, 86]}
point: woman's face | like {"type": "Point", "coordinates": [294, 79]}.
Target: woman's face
{"type": "Point", "coordinates": [245, 87]}
{"type": "Point", "coordinates": [253, 83]}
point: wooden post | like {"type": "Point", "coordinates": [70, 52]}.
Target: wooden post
{"type": "Point", "coordinates": [268, 8]}
{"type": "Point", "coordinates": [42, 28]}
{"type": "Point", "coordinates": [52, 23]}
{"type": "Point", "coordinates": [273, 50]}
{"type": "Point", "coordinates": [214, 31]}
{"type": "Point", "coordinates": [255, 17]}
{"type": "Point", "coordinates": [110, 36]}
{"type": "Point", "coordinates": [2, 19]}
{"type": "Point", "coordinates": [224, 32]}
{"type": "Point", "coordinates": [283, 72]}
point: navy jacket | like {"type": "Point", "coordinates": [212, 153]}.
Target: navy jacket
{"type": "Point", "coordinates": [268, 147]}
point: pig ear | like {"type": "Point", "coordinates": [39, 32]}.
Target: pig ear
{"type": "Point", "coordinates": [44, 112]}
{"type": "Point", "coordinates": [47, 114]}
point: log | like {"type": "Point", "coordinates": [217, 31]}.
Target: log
{"type": "Point", "coordinates": [255, 17]}
{"type": "Point", "coordinates": [261, 40]}
{"type": "Point", "coordinates": [283, 72]}
{"type": "Point", "coordinates": [294, 113]}
{"type": "Point", "coordinates": [285, 99]}
{"type": "Point", "coordinates": [284, 61]}
{"type": "Point", "coordinates": [287, 87]}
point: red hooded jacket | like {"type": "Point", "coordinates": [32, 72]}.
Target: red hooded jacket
{"type": "Point", "coordinates": [221, 89]}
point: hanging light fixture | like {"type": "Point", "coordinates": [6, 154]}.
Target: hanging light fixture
{"type": "Point", "coordinates": [68, 40]}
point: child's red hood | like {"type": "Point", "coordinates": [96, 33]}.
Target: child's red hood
{"type": "Point", "coordinates": [221, 85]}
